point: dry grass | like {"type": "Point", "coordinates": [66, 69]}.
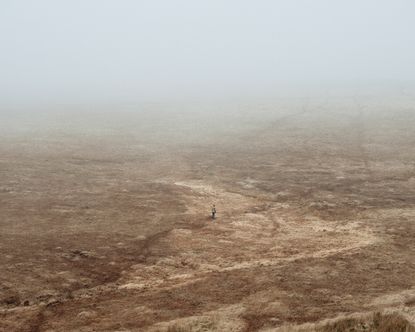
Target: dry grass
{"type": "Point", "coordinates": [197, 325]}
{"type": "Point", "coordinates": [107, 225]}
{"type": "Point", "coordinates": [373, 322]}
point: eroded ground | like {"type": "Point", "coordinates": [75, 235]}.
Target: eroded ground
{"type": "Point", "coordinates": [105, 218]}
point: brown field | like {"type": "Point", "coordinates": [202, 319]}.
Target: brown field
{"type": "Point", "coordinates": [104, 217]}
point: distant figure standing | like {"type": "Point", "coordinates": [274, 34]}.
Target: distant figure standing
{"type": "Point", "coordinates": [213, 211]}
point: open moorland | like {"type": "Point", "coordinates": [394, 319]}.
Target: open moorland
{"type": "Point", "coordinates": [104, 217]}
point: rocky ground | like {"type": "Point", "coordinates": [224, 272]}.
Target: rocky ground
{"type": "Point", "coordinates": [104, 217]}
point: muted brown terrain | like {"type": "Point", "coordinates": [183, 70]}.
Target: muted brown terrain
{"type": "Point", "coordinates": [104, 217]}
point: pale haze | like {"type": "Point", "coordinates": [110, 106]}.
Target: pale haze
{"type": "Point", "coordinates": [117, 51]}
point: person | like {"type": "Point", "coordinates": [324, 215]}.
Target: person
{"type": "Point", "coordinates": [213, 211]}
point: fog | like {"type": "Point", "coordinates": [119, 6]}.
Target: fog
{"type": "Point", "coordinates": [101, 51]}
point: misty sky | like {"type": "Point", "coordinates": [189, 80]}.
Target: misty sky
{"type": "Point", "coordinates": [101, 50]}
